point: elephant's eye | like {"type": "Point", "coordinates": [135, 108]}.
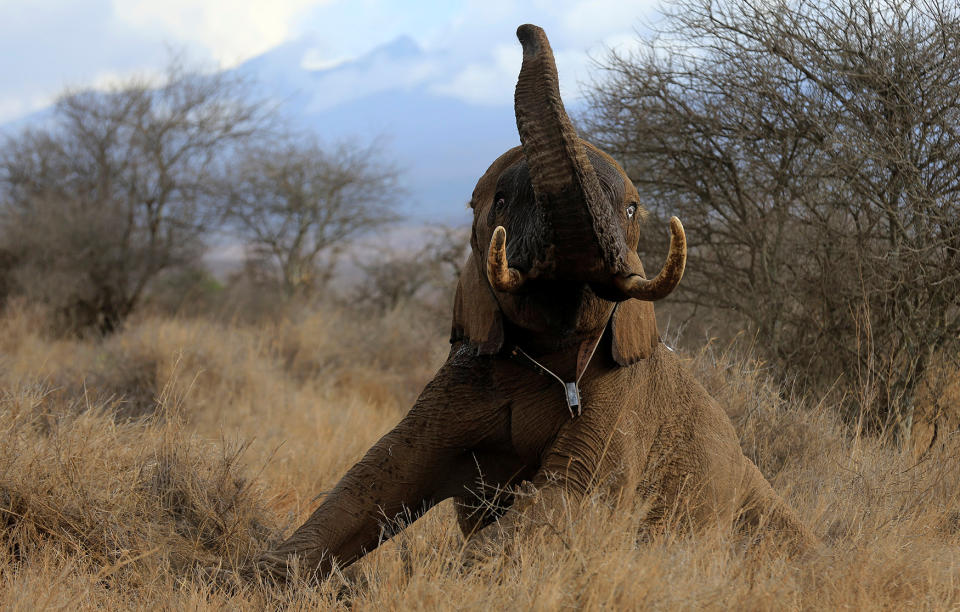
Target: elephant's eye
{"type": "Point", "coordinates": [498, 202]}
{"type": "Point", "coordinates": [631, 210]}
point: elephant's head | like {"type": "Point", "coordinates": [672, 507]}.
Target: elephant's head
{"type": "Point", "coordinates": [556, 226]}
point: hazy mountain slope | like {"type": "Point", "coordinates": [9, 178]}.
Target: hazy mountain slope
{"type": "Point", "coordinates": [443, 144]}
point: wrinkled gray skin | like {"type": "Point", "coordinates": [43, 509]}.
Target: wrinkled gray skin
{"type": "Point", "coordinates": [489, 420]}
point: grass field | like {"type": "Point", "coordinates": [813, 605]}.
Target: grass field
{"type": "Point", "coordinates": [131, 466]}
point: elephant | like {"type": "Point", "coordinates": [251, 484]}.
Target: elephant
{"type": "Point", "coordinates": [556, 378]}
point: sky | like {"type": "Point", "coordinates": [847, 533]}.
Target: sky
{"type": "Point", "coordinates": [49, 45]}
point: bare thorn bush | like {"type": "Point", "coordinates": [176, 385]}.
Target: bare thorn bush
{"type": "Point", "coordinates": [811, 149]}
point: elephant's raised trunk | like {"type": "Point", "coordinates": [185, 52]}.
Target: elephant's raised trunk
{"type": "Point", "coordinates": [564, 182]}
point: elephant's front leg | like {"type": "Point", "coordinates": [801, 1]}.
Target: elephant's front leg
{"type": "Point", "coordinates": [427, 457]}
{"type": "Point", "coordinates": [570, 467]}
{"type": "Point", "coordinates": [497, 470]}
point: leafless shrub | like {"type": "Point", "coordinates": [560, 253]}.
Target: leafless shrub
{"type": "Point", "coordinates": [812, 151]}
{"type": "Point", "coordinates": [117, 189]}
{"type": "Point", "coordinates": [296, 204]}
{"type": "Point", "coordinates": [425, 272]}
{"type": "Point", "coordinates": [188, 290]}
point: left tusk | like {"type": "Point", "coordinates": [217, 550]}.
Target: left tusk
{"type": "Point", "coordinates": [637, 287]}
{"type": "Point", "coordinates": [501, 276]}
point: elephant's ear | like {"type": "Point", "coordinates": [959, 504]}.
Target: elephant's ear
{"type": "Point", "coordinates": [634, 331]}
{"type": "Point", "coordinates": [476, 315]}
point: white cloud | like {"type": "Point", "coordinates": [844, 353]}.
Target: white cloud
{"type": "Point", "coordinates": [588, 21]}
{"type": "Point", "coordinates": [314, 59]}
{"type": "Point", "coordinates": [486, 82]}
{"type": "Point", "coordinates": [579, 30]}
{"type": "Point", "coordinates": [231, 30]}
{"type": "Point", "coordinates": [12, 107]}
{"type": "Point", "coordinates": [380, 72]}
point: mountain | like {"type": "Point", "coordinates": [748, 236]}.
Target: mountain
{"type": "Point", "coordinates": [444, 118]}
{"type": "Point", "coordinates": [395, 94]}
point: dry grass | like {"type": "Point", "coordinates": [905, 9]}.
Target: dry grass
{"type": "Point", "coordinates": [131, 467]}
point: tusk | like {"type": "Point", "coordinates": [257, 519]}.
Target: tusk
{"type": "Point", "coordinates": [635, 286]}
{"type": "Point", "coordinates": [501, 276]}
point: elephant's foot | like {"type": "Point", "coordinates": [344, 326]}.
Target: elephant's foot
{"type": "Point", "coordinates": [777, 526]}
{"type": "Point", "coordinates": [766, 518]}
{"type": "Point", "coordinates": [535, 510]}
{"type": "Point", "coordinates": [271, 568]}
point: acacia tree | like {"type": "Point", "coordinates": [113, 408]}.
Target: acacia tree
{"type": "Point", "coordinates": [812, 150]}
{"type": "Point", "coordinates": [116, 188]}
{"type": "Point", "coordinates": [296, 204]}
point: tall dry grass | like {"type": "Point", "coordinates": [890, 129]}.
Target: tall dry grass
{"type": "Point", "coordinates": [131, 469]}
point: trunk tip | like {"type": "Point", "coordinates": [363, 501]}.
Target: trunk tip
{"type": "Point", "coordinates": [530, 37]}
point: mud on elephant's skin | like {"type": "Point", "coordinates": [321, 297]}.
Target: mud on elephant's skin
{"type": "Point", "coordinates": [553, 278]}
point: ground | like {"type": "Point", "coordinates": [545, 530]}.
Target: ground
{"type": "Point", "coordinates": [134, 469]}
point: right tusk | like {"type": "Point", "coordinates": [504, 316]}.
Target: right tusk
{"type": "Point", "coordinates": [637, 287]}
{"type": "Point", "coordinates": [501, 276]}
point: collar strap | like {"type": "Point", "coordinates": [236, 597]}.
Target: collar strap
{"type": "Point", "coordinates": [571, 390]}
